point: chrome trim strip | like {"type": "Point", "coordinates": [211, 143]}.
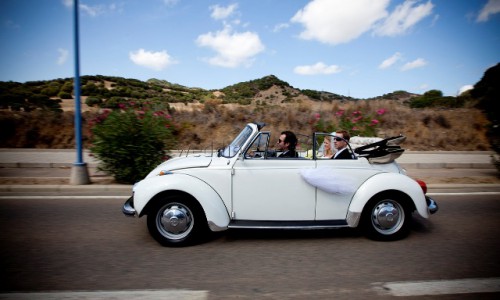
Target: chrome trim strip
{"type": "Point", "coordinates": [292, 225]}
{"type": "Point", "coordinates": [310, 227]}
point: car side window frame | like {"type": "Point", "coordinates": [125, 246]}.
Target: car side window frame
{"type": "Point", "coordinates": [266, 135]}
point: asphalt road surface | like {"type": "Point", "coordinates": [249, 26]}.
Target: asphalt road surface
{"type": "Point", "coordinates": [82, 247]}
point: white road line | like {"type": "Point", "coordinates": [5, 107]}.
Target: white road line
{"type": "Point", "coordinates": [439, 287]}
{"type": "Point", "coordinates": [397, 289]}
{"type": "Point", "coordinates": [464, 193]}
{"type": "Point", "coordinates": [64, 197]}
{"type": "Point", "coordinates": [102, 295]}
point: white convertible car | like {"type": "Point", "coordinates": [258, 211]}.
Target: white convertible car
{"type": "Point", "coordinates": [245, 185]}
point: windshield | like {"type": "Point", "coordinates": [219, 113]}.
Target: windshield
{"type": "Point", "coordinates": [237, 143]}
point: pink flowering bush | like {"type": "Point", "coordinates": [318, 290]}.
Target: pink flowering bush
{"type": "Point", "coordinates": [320, 125]}
{"type": "Point", "coordinates": [131, 140]}
{"type": "Point", "coordinates": [355, 122]}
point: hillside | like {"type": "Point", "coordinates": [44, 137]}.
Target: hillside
{"type": "Point", "coordinates": [108, 92]}
{"type": "Point", "coordinates": [39, 114]}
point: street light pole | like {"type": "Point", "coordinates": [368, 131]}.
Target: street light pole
{"type": "Point", "coordinates": [79, 172]}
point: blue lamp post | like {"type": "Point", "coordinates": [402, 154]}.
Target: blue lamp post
{"type": "Point", "coordinates": [79, 172]}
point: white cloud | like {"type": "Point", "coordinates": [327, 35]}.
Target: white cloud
{"type": "Point", "coordinates": [94, 10]}
{"type": "Point", "coordinates": [338, 21]}
{"type": "Point", "coordinates": [491, 8]}
{"type": "Point", "coordinates": [152, 60]}
{"type": "Point", "coordinates": [280, 27]}
{"type": "Point", "coordinates": [220, 12]}
{"type": "Point", "coordinates": [233, 49]}
{"type": "Point", "coordinates": [417, 63]}
{"type": "Point", "coordinates": [465, 88]}
{"type": "Point", "coordinates": [404, 17]}
{"type": "Point", "coordinates": [318, 68]}
{"type": "Point", "coordinates": [390, 61]}
{"type": "Point", "coordinates": [63, 56]}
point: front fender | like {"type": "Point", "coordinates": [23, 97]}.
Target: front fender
{"type": "Point", "coordinates": [385, 182]}
{"type": "Point", "coordinates": [215, 210]}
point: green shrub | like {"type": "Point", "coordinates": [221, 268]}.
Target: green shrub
{"type": "Point", "coordinates": [43, 102]}
{"type": "Point", "coordinates": [67, 86]}
{"type": "Point", "coordinates": [129, 144]}
{"type": "Point", "coordinates": [312, 94]}
{"type": "Point", "coordinates": [51, 90]}
{"type": "Point", "coordinates": [113, 102]}
{"type": "Point", "coordinates": [434, 98]}
{"type": "Point", "coordinates": [91, 101]}
{"type": "Point", "coordinates": [65, 95]}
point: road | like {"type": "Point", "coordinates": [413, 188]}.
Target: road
{"type": "Point", "coordinates": [81, 243]}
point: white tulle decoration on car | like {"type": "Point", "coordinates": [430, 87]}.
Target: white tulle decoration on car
{"type": "Point", "coordinates": [329, 180]}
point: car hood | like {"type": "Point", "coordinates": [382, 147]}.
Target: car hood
{"type": "Point", "coordinates": [179, 163]}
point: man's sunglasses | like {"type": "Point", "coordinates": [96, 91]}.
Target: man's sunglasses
{"type": "Point", "coordinates": [338, 139]}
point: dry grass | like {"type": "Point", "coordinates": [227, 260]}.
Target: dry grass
{"type": "Point", "coordinates": [210, 125]}
{"type": "Point", "coordinates": [426, 129]}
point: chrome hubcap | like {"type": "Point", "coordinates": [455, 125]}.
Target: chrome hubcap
{"type": "Point", "coordinates": [175, 221]}
{"type": "Point", "coordinates": [388, 216]}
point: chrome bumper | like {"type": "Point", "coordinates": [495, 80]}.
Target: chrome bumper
{"type": "Point", "coordinates": [431, 205]}
{"type": "Point", "coordinates": [128, 207]}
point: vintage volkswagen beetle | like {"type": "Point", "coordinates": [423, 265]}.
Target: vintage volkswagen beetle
{"type": "Point", "coordinates": [245, 185]}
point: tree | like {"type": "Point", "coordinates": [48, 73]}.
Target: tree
{"type": "Point", "coordinates": [432, 98]}
{"type": "Point", "coordinates": [487, 92]}
{"type": "Point", "coordinates": [432, 94]}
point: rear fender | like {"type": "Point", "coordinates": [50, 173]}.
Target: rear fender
{"type": "Point", "coordinates": [212, 204]}
{"type": "Point", "coordinates": [386, 182]}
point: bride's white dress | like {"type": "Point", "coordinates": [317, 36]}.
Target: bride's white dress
{"type": "Point", "coordinates": [329, 180]}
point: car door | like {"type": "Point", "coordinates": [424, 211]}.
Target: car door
{"type": "Point", "coordinates": [272, 189]}
{"type": "Point", "coordinates": [340, 180]}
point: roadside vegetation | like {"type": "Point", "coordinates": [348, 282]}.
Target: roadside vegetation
{"type": "Point", "coordinates": [131, 141]}
{"type": "Point", "coordinates": [39, 114]}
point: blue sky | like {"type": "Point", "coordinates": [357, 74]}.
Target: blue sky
{"type": "Point", "coordinates": [357, 48]}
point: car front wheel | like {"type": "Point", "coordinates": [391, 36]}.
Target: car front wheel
{"type": "Point", "coordinates": [387, 217]}
{"type": "Point", "coordinates": [177, 221]}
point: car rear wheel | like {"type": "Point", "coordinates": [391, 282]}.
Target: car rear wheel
{"type": "Point", "coordinates": [177, 221]}
{"type": "Point", "coordinates": [387, 217]}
